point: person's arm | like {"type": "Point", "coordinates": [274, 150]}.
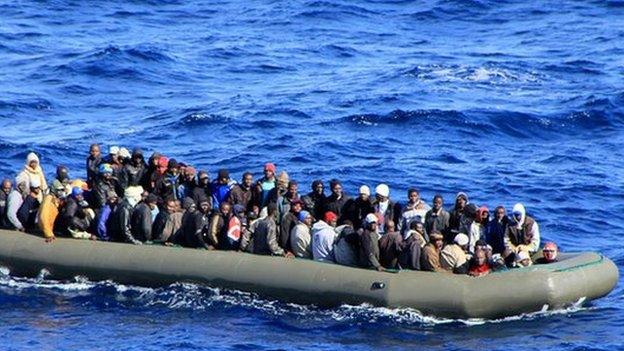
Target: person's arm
{"type": "Point", "coordinates": [369, 251]}
{"type": "Point", "coordinates": [14, 205]}
{"type": "Point", "coordinates": [213, 230]}
{"type": "Point", "coordinates": [124, 222]}
{"type": "Point", "coordinates": [272, 241]}
{"type": "Point", "coordinates": [535, 240]}
{"type": "Point", "coordinates": [146, 223]}
{"type": "Point", "coordinates": [509, 246]}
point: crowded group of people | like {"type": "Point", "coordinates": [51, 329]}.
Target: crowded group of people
{"type": "Point", "coordinates": [126, 198]}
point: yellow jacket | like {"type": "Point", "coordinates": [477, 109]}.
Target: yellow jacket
{"type": "Point", "coordinates": [48, 211]}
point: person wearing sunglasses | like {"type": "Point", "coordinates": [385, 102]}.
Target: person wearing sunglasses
{"type": "Point", "coordinates": [549, 252]}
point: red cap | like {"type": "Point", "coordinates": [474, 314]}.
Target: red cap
{"type": "Point", "coordinates": [330, 217]}
{"type": "Point", "coordinates": [269, 167]}
{"type": "Point", "coordinates": [163, 162]}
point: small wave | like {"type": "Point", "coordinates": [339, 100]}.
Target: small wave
{"type": "Point", "coordinates": [202, 118]}
{"type": "Point", "coordinates": [479, 74]}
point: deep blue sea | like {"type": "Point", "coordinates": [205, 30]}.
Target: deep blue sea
{"type": "Point", "coordinates": [508, 101]}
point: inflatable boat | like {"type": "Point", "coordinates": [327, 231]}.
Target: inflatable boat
{"type": "Point", "coordinates": [576, 276]}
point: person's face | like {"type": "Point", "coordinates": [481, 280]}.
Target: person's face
{"type": "Point", "coordinates": [373, 226]}
{"type": "Point", "coordinates": [33, 164]}
{"type": "Point", "coordinates": [152, 205]}
{"type": "Point", "coordinates": [108, 176]}
{"type": "Point", "coordinates": [247, 180]}
{"type": "Point", "coordinates": [438, 243]}
{"type": "Point", "coordinates": [94, 151]}
{"type": "Point", "coordinates": [413, 197]}
{"type": "Point", "coordinates": [114, 157]}
{"type": "Point", "coordinates": [525, 262]}
{"type": "Point", "coordinates": [292, 188]}
{"type": "Point", "coordinates": [174, 170]}
{"type": "Point", "coordinates": [137, 159]}
{"type": "Point", "coordinates": [437, 203]}
{"type": "Point", "coordinates": [79, 198]}
{"type": "Point", "coordinates": [203, 179]}
{"type": "Point", "coordinates": [268, 174]}
{"type": "Point", "coordinates": [6, 187]}
{"type": "Point", "coordinates": [225, 209]}
{"type": "Point", "coordinates": [500, 214]}
{"type": "Point", "coordinates": [337, 190]}
{"type": "Point", "coordinates": [480, 257]}
{"type": "Point", "coordinates": [204, 207]}
{"type": "Point", "coordinates": [381, 198]}
{"type": "Point", "coordinates": [308, 221]}
{"type": "Point", "coordinates": [420, 228]}
{"type": "Point", "coordinates": [364, 197]}
{"type": "Point", "coordinates": [333, 223]}
{"type": "Point", "coordinates": [111, 200]}
{"type": "Point", "coordinates": [517, 216]}
{"type": "Point", "coordinates": [484, 216]}
{"type": "Point", "coordinates": [171, 206]}
{"type": "Point", "coordinates": [460, 202]}
{"type": "Point", "coordinates": [223, 180]}
{"type": "Point", "coordinates": [297, 208]}
{"type": "Point", "coordinates": [155, 161]}
{"type": "Point", "coordinates": [36, 190]}
{"type": "Point", "coordinates": [550, 254]}
{"type": "Point", "coordinates": [318, 189]}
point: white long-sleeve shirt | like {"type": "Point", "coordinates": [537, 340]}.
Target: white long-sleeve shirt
{"type": "Point", "coordinates": [14, 202]}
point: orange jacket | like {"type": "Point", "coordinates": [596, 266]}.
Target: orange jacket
{"type": "Point", "coordinates": [48, 212]}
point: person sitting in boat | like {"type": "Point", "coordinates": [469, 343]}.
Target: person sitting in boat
{"type": "Point", "coordinates": [221, 187]}
{"type": "Point", "coordinates": [390, 245]}
{"type": "Point", "coordinates": [76, 216]}
{"type": "Point", "coordinates": [523, 233]}
{"type": "Point", "coordinates": [61, 184]}
{"type": "Point", "coordinates": [49, 211]}
{"type": "Point", "coordinates": [386, 209]}
{"type": "Point", "coordinates": [315, 200]}
{"type": "Point", "coordinates": [27, 213]}
{"type": "Point", "coordinates": [93, 164]}
{"type": "Point", "coordinates": [284, 201]}
{"type": "Point", "coordinates": [346, 247]}
{"type": "Point", "coordinates": [120, 228]}
{"type": "Point", "coordinates": [300, 238]}
{"type": "Point", "coordinates": [265, 185]}
{"type": "Point", "coordinates": [195, 227]}
{"type": "Point", "coordinates": [437, 219]}
{"type": "Point", "coordinates": [14, 202]}
{"type": "Point", "coordinates": [104, 183]}
{"type": "Point", "coordinates": [479, 265]}
{"type": "Point", "coordinates": [478, 227]}
{"type": "Point", "coordinates": [33, 172]}
{"type": "Point", "coordinates": [415, 209]}
{"type": "Point", "coordinates": [523, 259]}
{"type": "Point", "coordinates": [369, 244]}
{"type": "Point", "coordinates": [412, 246]}
{"type": "Point", "coordinates": [453, 257]}
{"type": "Point", "coordinates": [356, 209]}
{"type": "Point", "coordinates": [141, 220]}
{"type": "Point", "coordinates": [219, 228]}
{"type": "Point", "coordinates": [201, 192]}
{"type": "Point", "coordinates": [187, 182]}
{"type": "Point", "coordinates": [335, 202]}
{"type": "Point", "coordinates": [496, 229]}
{"type": "Point", "coordinates": [323, 238]}
{"type": "Point", "coordinates": [7, 187]}
{"type": "Point", "coordinates": [156, 172]}
{"type": "Point", "coordinates": [168, 185]}
{"type": "Point", "coordinates": [133, 173]}
{"type": "Point", "coordinates": [430, 255]}
{"type": "Point", "coordinates": [549, 253]}
{"type": "Point", "coordinates": [265, 235]}
{"type": "Point", "coordinates": [104, 215]}
{"type": "Point", "coordinates": [242, 193]}
{"type": "Point", "coordinates": [289, 221]}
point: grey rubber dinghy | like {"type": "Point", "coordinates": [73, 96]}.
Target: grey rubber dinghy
{"type": "Point", "coordinates": [576, 276]}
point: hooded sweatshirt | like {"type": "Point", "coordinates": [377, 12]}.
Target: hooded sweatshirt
{"type": "Point", "coordinates": [29, 173]}
{"type": "Point", "coordinates": [323, 237]}
{"type": "Point", "coordinates": [14, 203]}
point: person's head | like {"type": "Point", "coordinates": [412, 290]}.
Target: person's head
{"type": "Point", "coordinates": [171, 205]}
{"type": "Point", "coordinates": [437, 239]}
{"type": "Point", "coordinates": [550, 251]}
{"type": "Point", "coordinates": [21, 183]}
{"type": "Point", "coordinates": [390, 226]}
{"type": "Point", "coordinates": [438, 202]}
{"type": "Point", "coordinates": [32, 160]}
{"type": "Point", "coordinates": [296, 206]}
{"type": "Point", "coordinates": [77, 194]}
{"type": "Point", "coordinates": [371, 221]}
{"type": "Point", "coordinates": [413, 196]}
{"type": "Point", "coordinates": [364, 193]}
{"type": "Point", "coordinates": [480, 257]}
{"type": "Point", "coordinates": [330, 218]}
{"type": "Point", "coordinates": [282, 181]}
{"type": "Point", "coordinates": [382, 192]}
{"type": "Point", "coordinates": [113, 153]}
{"type": "Point", "coordinates": [500, 213]}
{"type": "Point", "coordinates": [111, 197]}
{"type": "Point", "coordinates": [124, 155]}
{"type": "Point", "coordinates": [163, 163]}
{"type": "Point", "coordinates": [247, 180]}
{"type": "Point", "coordinates": [62, 173]}
{"type": "Point", "coordinates": [318, 187]}
{"type": "Point", "coordinates": [137, 156]}
{"type": "Point", "coordinates": [203, 179]}
{"type": "Point", "coordinates": [523, 259]}
{"type": "Point", "coordinates": [189, 173]}
{"type": "Point", "coordinates": [483, 215]}
{"type": "Point", "coordinates": [173, 167]}
{"type": "Point", "coordinates": [106, 171]}
{"type": "Point", "coordinates": [271, 209]}
{"type": "Point", "coordinates": [154, 159]}
{"type": "Point", "coordinates": [205, 207]}
{"type": "Point", "coordinates": [461, 200]}
{"type": "Point", "coordinates": [305, 217]}
{"type": "Point", "coordinates": [35, 186]}
{"type": "Point", "coordinates": [269, 170]}
{"type": "Point", "coordinates": [152, 201]}
{"type": "Point", "coordinates": [347, 223]}
{"type": "Point", "coordinates": [462, 241]}
{"type": "Point", "coordinates": [223, 177]}
{"type": "Point", "coordinates": [293, 187]}
{"type": "Point", "coordinates": [519, 213]}
{"type": "Point", "coordinates": [7, 186]}
{"type": "Point", "coordinates": [336, 187]}
{"type": "Point", "coordinates": [133, 194]}
{"type": "Point", "coordinates": [94, 150]}
{"type": "Point", "coordinates": [417, 226]}
{"type": "Point", "coordinates": [189, 205]}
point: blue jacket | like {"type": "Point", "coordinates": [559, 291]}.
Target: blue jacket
{"type": "Point", "coordinates": [220, 192]}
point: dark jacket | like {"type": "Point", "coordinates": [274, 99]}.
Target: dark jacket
{"type": "Point", "coordinates": [100, 189]}
{"type": "Point", "coordinates": [27, 213]}
{"type": "Point", "coordinates": [167, 187]}
{"type": "Point", "coordinates": [435, 222]}
{"type": "Point", "coordinates": [4, 220]}
{"type": "Point", "coordinates": [141, 222]}
{"type": "Point", "coordinates": [242, 196]}
{"type": "Point", "coordinates": [201, 194]}
{"type": "Point", "coordinates": [289, 221]}
{"type": "Point", "coordinates": [369, 249]}
{"type": "Point", "coordinates": [393, 212]}
{"type": "Point", "coordinates": [121, 221]}
{"type": "Point", "coordinates": [265, 238]}
{"type": "Point", "coordinates": [133, 175]}
{"type": "Point", "coordinates": [92, 169]}
{"type": "Point", "coordinates": [356, 210]}
{"type": "Point", "coordinates": [159, 225]}
{"type": "Point", "coordinates": [495, 234]}
{"type": "Point", "coordinates": [335, 205]}
{"type": "Point", "coordinates": [72, 216]}
{"type": "Point", "coordinates": [195, 227]}
{"type": "Point", "coordinates": [315, 204]}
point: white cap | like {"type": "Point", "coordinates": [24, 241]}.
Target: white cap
{"type": "Point", "coordinates": [124, 153]}
{"type": "Point", "coordinates": [364, 190]}
{"type": "Point", "coordinates": [134, 192]}
{"type": "Point", "coordinates": [523, 255]}
{"type": "Point", "coordinates": [113, 150]}
{"type": "Point", "coordinates": [461, 239]}
{"type": "Point", "coordinates": [371, 218]}
{"type": "Point", "coordinates": [383, 190]}
{"type": "Point", "coordinates": [35, 182]}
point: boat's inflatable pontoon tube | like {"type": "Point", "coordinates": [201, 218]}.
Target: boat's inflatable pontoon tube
{"type": "Point", "coordinates": [576, 276]}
